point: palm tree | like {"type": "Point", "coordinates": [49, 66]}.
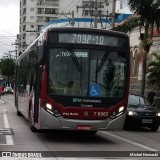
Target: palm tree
{"type": "Point", "coordinates": [153, 72]}
{"type": "Point", "coordinates": [149, 14]}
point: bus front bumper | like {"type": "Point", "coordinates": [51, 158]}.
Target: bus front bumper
{"type": "Point", "coordinates": [47, 121]}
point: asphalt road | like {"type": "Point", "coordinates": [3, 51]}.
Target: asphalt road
{"type": "Point", "coordinates": [17, 140]}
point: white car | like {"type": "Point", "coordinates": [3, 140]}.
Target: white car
{"type": "Point", "coordinates": [8, 90]}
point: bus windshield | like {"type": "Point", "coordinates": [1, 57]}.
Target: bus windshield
{"type": "Point", "coordinates": [86, 72]}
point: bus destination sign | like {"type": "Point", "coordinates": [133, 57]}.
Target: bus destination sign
{"type": "Point", "coordinates": [94, 39]}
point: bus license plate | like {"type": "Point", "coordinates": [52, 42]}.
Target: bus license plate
{"type": "Point", "coordinates": [147, 120]}
{"type": "Point", "coordinates": [83, 127]}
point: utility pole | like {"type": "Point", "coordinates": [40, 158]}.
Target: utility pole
{"type": "Point", "coordinates": [113, 13]}
{"type": "Point", "coordinates": [72, 19]}
{"type": "Point", "coordinates": [72, 22]}
{"type": "Point", "coordinates": [96, 14]}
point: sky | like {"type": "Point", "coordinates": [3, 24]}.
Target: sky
{"type": "Point", "coordinates": [9, 25]}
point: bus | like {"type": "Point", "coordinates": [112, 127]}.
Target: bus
{"type": "Point", "coordinates": [74, 79]}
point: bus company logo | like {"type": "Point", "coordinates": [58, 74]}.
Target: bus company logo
{"type": "Point", "coordinates": [86, 100]}
{"type": "Point", "coordinates": [77, 100]}
{"type": "Point", "coordinates": [85, 113]}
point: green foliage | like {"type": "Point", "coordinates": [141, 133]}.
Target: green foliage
{"type": "Point", "coordinates": [7, 67]}
{"type": "Point", "coordinates": [153, 76]}
{"type": "Point", "coordinates": [148, 14]}
{"type": "Point", "coordinates": [148, 10]}
{"type": "Point", "coordinates": [128, 25]}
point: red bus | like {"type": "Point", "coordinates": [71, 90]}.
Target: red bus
{"type": "Point", "coordinates": [74, 79]}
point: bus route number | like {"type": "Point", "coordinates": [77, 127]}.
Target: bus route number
{"type": "Point", "coordinates": [101, 114]}
{"type": "Point", "coordinates": [88, 39]}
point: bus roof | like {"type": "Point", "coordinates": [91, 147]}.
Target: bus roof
{"type": "Point", "coordinates": [77, 29]}
{"type": "Point", "coordinates": [96, 30]}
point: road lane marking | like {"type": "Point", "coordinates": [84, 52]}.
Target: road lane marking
{"type": "Point", "coordinates": [9, 139]}
{"type": "Point", "coordinates": [1, 101]}
{"type": "Point", "coordinates": [130, 141]}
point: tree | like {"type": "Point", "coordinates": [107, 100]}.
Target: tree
{"type": "Point", "coordinates": [149, 14]}
{"type": "Point", "coordinates": [7, 67]}
{"type": "Point", "coordinates": [153, 72]}
{"type": "Point", "coordinates": [128, 25]}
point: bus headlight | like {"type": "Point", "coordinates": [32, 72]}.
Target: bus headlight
{"type": "Point", "coordinates": [158, 114]}
{"type": "Point", "coordinates": [53, 110]}
{"type": "Point", "coordinates": [121, 109]}
{"type": "Point", "coordinates": [117, 113]}
{"type": "Point", "coordinates": [48, 106]}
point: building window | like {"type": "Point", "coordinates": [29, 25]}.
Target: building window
{"type": "Point", "coordinates": [86, 13]}
{"type": "Point", "coordinates": [31, 9]}
{"type": "Point", "coordinates": [32, 26]}
{"type": "Point", "coordinates": [31, 17]}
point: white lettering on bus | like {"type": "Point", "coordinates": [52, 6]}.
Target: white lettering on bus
{"type": "Point", "coordinates": [101, 114]}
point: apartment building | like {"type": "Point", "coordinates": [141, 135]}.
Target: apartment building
{"type": "Point", "coordinates": [36, 13]}
{"type": "Point", "coordinates": [122, 7]}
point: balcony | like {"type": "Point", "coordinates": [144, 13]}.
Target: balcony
{"type": "Point", "coordinates": [47, 3]}
{"type": "Point", "coordinates": [47, 12]}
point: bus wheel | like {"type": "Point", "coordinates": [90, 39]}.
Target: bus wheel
{"type": "Point", "coordinates": [32, 128]}
{"type": "Point", "coordinates": [19, 113]}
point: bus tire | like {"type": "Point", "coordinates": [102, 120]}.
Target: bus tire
{"type": "Point", "coordinates": [19, 113]}
{"type": "Point", "coordinates": [32, 128]}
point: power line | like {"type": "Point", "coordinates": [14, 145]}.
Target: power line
{"type": "Point", "coordinates": [62, 12]}
{"type": "Point", "coordinates": [7, 32]}
{"type": "Point", "coordinates": [5, 37]}
{"type": "Point", "coordinates": [6, 44]}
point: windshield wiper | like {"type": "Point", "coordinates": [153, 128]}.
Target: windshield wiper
{"type": "Point", "coordinates": [99, 67]}
{"type": "Point", "coordinates": [99, 84]}
{"type": "Point", "coordinates": [74, 59]}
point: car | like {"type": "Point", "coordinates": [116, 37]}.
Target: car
{"type": "Point", "coordinates": [140, 113]}
{"type": "Point", "coordinates": [8, 90]}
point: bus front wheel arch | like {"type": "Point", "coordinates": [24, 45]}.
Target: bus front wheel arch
{"type": "Point", "coordinates": [19, 113]}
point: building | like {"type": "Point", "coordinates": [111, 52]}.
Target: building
{"type": "Point", "coordinates": [122, 7]}
{"type": "Point", "coordinates": [36, 13]}
{"type": "Point", "coordinates": [136, 63]}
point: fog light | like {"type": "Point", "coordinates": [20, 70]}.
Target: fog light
{"type": "Point", "coordinates": [56, 112]}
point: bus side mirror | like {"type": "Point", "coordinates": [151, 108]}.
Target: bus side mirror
{"type": "Point", "coordinates": [41, 54]}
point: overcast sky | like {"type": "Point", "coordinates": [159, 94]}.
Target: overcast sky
{"type": "Point", "coordinates": [9, 25]}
